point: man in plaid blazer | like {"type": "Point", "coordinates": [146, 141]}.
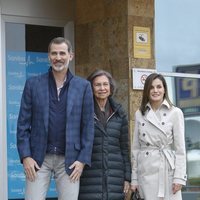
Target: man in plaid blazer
{"type": "Point", "coordinates": [55, 127]}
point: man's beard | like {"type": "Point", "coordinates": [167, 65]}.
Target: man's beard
{"type": "Point", "coordinates": [59, 67]}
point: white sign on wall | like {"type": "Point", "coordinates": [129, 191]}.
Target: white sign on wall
{"type": "Point", "coordinates": [139, 76]}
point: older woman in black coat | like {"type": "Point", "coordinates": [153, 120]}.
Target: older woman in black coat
{"type": "Point", "coordinates": [109, 176]}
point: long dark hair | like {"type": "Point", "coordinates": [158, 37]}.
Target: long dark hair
{"type": "Point", "coordinates": [147, 88]}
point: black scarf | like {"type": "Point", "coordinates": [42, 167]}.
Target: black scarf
{"type": "Point", "coordinates": [102, 115]}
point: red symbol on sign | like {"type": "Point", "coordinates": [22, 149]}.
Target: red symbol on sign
{"type": "Point", "coordinates": [143, 78]}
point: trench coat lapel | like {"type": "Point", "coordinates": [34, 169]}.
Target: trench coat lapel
{"type": "Point", "coordinates": [152, 118]}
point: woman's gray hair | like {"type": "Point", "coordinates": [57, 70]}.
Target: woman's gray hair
{"type": "Point", "coordinates": [99, 72]}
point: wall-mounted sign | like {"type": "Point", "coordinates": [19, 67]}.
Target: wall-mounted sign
{"type": "Point", "coordinates": [188, 90]}
{"type": "Point", "coordinates": [141, 42]}
{"type": "Point", "coordinates": [139, 77]}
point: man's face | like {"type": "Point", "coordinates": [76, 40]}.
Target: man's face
{"type": "Point", "coordinates": [60, 57]}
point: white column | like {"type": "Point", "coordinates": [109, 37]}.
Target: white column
{"type": "Point", "coordinates": [3, 134]}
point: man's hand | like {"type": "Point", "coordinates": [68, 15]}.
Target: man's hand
{"type": "Point", "coordinates": [29, 168]}
{"type": "Point", "coordinates": [77, 171]}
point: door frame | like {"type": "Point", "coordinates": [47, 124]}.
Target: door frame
{"type": "Point", "coordinates": [69, 33]}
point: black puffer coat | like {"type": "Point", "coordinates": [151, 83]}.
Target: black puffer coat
{"type": "Point", "coordinates": [104, 180]}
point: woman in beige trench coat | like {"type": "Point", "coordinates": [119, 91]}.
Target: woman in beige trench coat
{"type": "Point", "coordinates": [158, 150]}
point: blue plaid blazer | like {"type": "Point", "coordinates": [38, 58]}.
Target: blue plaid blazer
{"type": "Point", "coordinates": [32, 124]}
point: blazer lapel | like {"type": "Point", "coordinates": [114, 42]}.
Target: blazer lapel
{"type": "Point", "coordinates": [44, 93]}
{"type": "Point", "coordinates": [72, 95]}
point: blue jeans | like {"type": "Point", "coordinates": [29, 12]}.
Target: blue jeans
{"type": "Point", "coordinates": [53, 165]}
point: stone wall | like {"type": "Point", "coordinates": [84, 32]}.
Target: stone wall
{"type": "Point", "coordinates": [140, 13]}
{"type": "Point", "coordinates": [104, 40]}
{"type": "Point", "coordinates": [101, 41]}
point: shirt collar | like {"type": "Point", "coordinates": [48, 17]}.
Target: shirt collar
{"type": "Point", "coordinates": [163, 104]}
{"type": "Point", "coordinates": [68, 76]}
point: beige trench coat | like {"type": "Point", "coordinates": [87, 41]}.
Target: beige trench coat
{"type": "Point", "coordinates": [158, 152]}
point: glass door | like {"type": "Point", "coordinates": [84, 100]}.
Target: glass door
{"type": "Point", "coordinates": [184, 90]}
{"type": "Point", "coordinates": [25, 56]}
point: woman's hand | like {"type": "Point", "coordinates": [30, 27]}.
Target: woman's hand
{"type": "Point", "coordinates": [176, 187]}
{"type": "Point", "coordinates": [126, 187]}
{"type": "Point", "coordinates": [134, 187]}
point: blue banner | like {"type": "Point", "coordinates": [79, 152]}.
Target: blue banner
{"type": "Point", "coordinates": [188, 90]}
{"type": "Point", "coordinates": [19, 67]}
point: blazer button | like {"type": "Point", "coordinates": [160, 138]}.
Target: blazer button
{"type": "Point", "coordinates": [147, 153]}
{"type": "Point", "coordinates": [164, 114]}
{"type": "Point", "coordinates": [143, 134]}
{"type": "Point", "coordinates": [142, 124]}
{"type": "Point", "coordinates": [147, 144]}
{"type": "Point", "coordinates": [163, 123]}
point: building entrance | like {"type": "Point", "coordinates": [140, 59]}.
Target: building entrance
{"type": "Point", "coordinates": [26, 47]}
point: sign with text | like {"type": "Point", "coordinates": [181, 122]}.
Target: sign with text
{"type": "Point", "coordinates": [139, 76]}
{"type": "Point", "coordinates": [188, 90]}
{"type": "Point", "coordinates": [141, 42]}
{"type": "Point", "coordinates": [19, 67]}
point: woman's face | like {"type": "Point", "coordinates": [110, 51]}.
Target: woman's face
{"type": "Point", "coordinates": [101, 87]}
{"type": "Point", "coordinates": [157, 91]}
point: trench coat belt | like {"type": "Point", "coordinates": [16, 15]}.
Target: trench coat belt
{"type": "Point", "coordinates": [166, 156]}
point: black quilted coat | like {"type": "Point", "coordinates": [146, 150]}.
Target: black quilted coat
{"type": "Point", "coordinates": [104, 180]}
